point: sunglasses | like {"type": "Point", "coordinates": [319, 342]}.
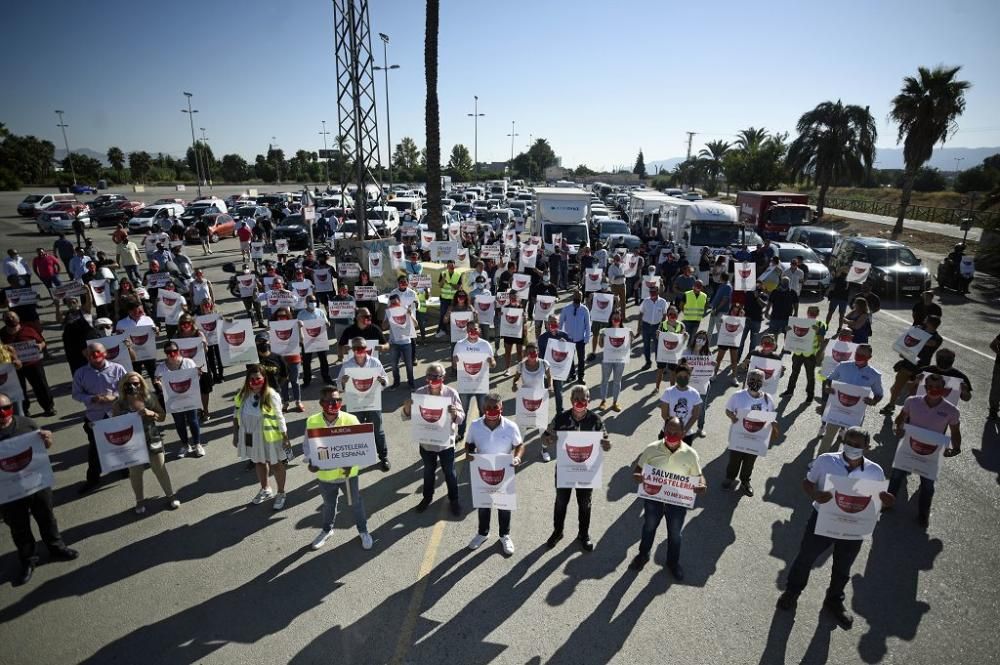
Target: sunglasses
{"type": "Point", "coordinates": [172, 352]}
{"type": "Point", "coordinates": [435, 377]}
{"type": "Point", "coordinates": [332, 400]}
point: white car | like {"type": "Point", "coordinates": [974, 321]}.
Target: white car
{"type": "Point", "coordinates": [155, 217]}
{"type": "Point", "coordinates": [817, 274]}
{"type": "Point", "coordinates": [61, 221]}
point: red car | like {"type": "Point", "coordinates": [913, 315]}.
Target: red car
{"type": "Point", "coordinates": [72, 207]}
{"type": "Point", "coordinates": [220, 225]}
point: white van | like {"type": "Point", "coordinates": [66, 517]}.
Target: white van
{"type": "Point", "coordinates": [384, 218]}
{"type": "Point", "coordinates": [35, 203]}
{"type": "Point", "coordinates": [406, 204]}
{"type": "Point", "coordinates": [217, 202]}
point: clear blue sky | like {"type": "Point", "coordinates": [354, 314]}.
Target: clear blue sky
{"type": "Point", "coordinates": [599, 79]}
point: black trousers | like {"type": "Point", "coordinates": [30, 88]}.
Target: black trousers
{"type": "Point", "coordinates": [579, 365]}
{"type": "Point", "coordinates": [324, 367]}
{"type": "Point", "coordinates": [740, 463]}
{"type": "Point", "coordinates": [35, 375]}
{"type": "Point", "coordinates": [93, 460]}
{"type": "Point", "coordinates": [17, 515]}
{"type": "Point", "coordinates": [214, 361]}
{"type": "Point", "coordinates": [503, 516]}
{"type": "Point", "coordinates": [812, 547]}
{"type": "Point", "coordinates": [148, 365]}
{"type": "Point", "coordinates": [798, 361]}
{"type": "Point", "coordinates": [583, 502]}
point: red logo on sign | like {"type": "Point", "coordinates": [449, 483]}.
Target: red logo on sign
{"type": "Point", "coordinates": [745, 273]}
{"type": "Point", "coordinates": [141, 340]}
{"type": "Point", "coordinates": [302, 292]}
{"type": "Point", "coordinates": [800, 332]}
{"type": "Point", "coordinates": [283, 335]}
{"type": "Point", "coordinates": [670, 344]}
{"type": "Point", "coordinates": [375, 260]}
{"type": "Point", "coordinates": [15, 463]}
{"type": "Point", "coordinates": [399, 320]}
{"type": "Point", "coordinates": [484, 306]}
{"type": "Point", "coordinates": [492, 476]}
{"type": "Point", "coordinates": [732, 327]}
{"type": "Point", "coordinates": [234, 339]}
{"type": "Point", "coordinates": [909, 341]}
{"type": "Point", "coordinates": [520, 283]}
{"type": "Point", "coordinates": [100, 289]}
{"type": "Point", "coordinates": [651, 489]}
{"type": "Point", "coordinates": [559, 356]}
{"type": "Point", "coordinates": [473, 368]}
{"type": "Point", "coordinates": [921, 448]}
{"type": "Point", "coordinates": [512, 318]}
{"type": "Point", "coordinates": [768, 373]}
{"type": "Point", "coordinates": [189, 352]}
{"type": "Point", "coordinates": [363, 385]}
{"type": "Point", "coordinates": [209, 326]}
{"type": "Point", "coordinates": [320, 276]}
{"type": "Point", "coordinates": [752, 425]}
{"type": "Point", "coordinates": [847, 400]}
{"type": "Point", "coordinates": [314, 332]}
{"type": "Point", "coordinates": [601, 303]}
{"type": "Point", "coordinates": [169, 302]}
{"type": "Point", "coordinates": [112, 354]}
{"type": "Point", "coordinates": [544, 305]}
{"type": "Point", "coordinates": [119, 438]}
{"type": "Point", "coordinates": [461, 323]}
{"type": "Point", "coordinates": [180, 386]}
{"type": "Point", "coordinates": [431, 415]}
{"type": "Point", "coordinates": [840, 356]}
{"type": "Point", "coordinates": [579, 453]}
{"type": "Point", "coordinates": [593, 276]}
{"type": "Point", "coordinates": [616, 341]}
{"type": "Point", "coordinates": [859, 271]}
{"type": "Point", "coordinates": [850, 503]}
{"type": "Point", "coordinates": [531, 404]}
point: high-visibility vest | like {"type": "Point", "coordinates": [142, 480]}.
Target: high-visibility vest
{"type": "Point", "coordinates": [270, 424]}
{"type": "Point", "coordinates": [694, 305]}
{"type": "Point", "coordinates": [422, 300]}
{"type": "Point", "coordinates": [676, 327]}
{"type": "Point", "coordinates": [317, 421]}
{"type": "Point", "coordinates": [450, 285]}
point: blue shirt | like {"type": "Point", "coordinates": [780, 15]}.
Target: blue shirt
{"type": "Point", "coordinates": [412, 268]}
{"type": "Point", "coordinates": [722, 297]}
{"type": "Point", "coordinates": [543, 340]}
{"type": "Point", "coordinates": [848, 372]}
{"type": "Point", "coordinates": [575, 320]}
{"type": "Point", "coordinates": [89, 383]}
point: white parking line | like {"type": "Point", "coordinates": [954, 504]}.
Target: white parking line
{"type": "Point", "coordinates": [947, 339]}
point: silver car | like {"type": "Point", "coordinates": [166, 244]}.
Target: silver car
{"type": "Point", "coordinates": [61, 221]}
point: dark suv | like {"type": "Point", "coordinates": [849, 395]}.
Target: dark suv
{"type": "Point", "coordinates": [896, 271]}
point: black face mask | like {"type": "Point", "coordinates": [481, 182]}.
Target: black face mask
{"type": "Point", "coordinates": [131, 390]}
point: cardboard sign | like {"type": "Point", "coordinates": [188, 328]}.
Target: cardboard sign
{"type": "Point", "coordinates": [208, 324]}
{"type": "Point", "coordinates": [731, 330]}
{"type": "Point", "coordinates": [801, 335]}
{"type": "Point", "coordinates": [395, 257]}
{"type": "Point", "coordinates": [532, 410]}
{"type": "Point", "coordinates": [492, 482]}
{"type": "Point", "coordinates": [302, 290]}
{"type": "Point", "coordinates": [702, 370]}
{"type": "Point", "coordinates": [665, 487]}
{"type": "Point", "coordinates": [348, 269]}
{"type": "Point", "coordinates": [560, 354]}
{"type": "Point", "coordinates": [431, 424]}
{"type": "Point", "coordinates": [400, 323]}
{"type": "Point", "coordinates": [10, 385]}
{"type": "Point", "coordinates": [836, 352]}
{"type": "Point", "coordinates": [365, 293]}
{"type": "Point", "coordinates": [340, 447]}
{"type": "Point", "coordinates": [27, 295]}
{"type": "Point", "coordinates": [579, 460]}
{"type": "Point", "coordinates": [27, 351]}
{"type": "Point", "coordinates": [920, 451]}
{"type": "Point", "coordinates": [751, 433]}
{"type": "Point", "coordinates": [193, 349]}
{"type": "Point", "coordinates": [521, 283]}
{"type": "Point", "coordinates": [143, 341]}
{"type": "Point", "coordinates": [156, 280]}
{"type": "Point", "coordinates": [443, 251]}
{"type": "Point", "coordinates": [952, 389]}
{"type": "Point", "coordinates": [527, 257]}
{"type": "Point", "coordinates": [649, 283]}
{"type": "Point", "coordinates": [669, 347]}
{"type": "Point", "coordinates": [602, 306]}
{"type": "Point", "coordinates": [420, 282]}
{"type": "Point", "coordinates": [362, 390]}
{"type": "Point", "coordinates": [544, 305]}
{"type": "Point", "coordinates": [24, 467]}
{"type": "Point", "coordinates": [121, 442]}
{"type": "Point", "coordinates": [284, 337]}
{"type": "Point", "coordinates": [323, 280]}
{"type": "Point", "coordinates": [846, 404]}
{"type": "Point", "coordinates": [280, 246]}
{"type": "Point", "coordinates": [236, 345]}
{"type": "Point", "coordinates": [117, 351]}
{"type": "Point", "coordinates": [181, 390]}
{"type": "Point", "coordinates": [426, 238]}
{"type": "Point", "coordinates": [485, 309]}
{"type": "Point", "coordinates": [490, 252]}
{"type": "Point", "coordinates": [858, 272]}
{"type": "Point", "coordinates": [169, 306]}
{"type": "Point", "coordinates": [68, 290]}
{"type": "Point", "coordinates": [246, 284]}
{"type": "Point", "coordinates": [376, 265]}
{"type": "Point", "coordinates": [473, 373]}
{"type": "Point", "coordinates": [510, 238]}
{"type": "Point", "coordinates": [276, 298]}
{"type": "Point", "coordinates": [854, 509]}
{"type": "Point", "coordinates": [744, 276]}
{"type": "Point", "coordinates": [617, 345]}
{"type": "Point", "coordinates": [458, 322]}
{"type": "Point", "coordinates": [454, 231]}
{"type": "Point", "coordinates": [512, 322]}
{"type": "Point", "coordinates": [592, 279]}
{"type": "Point", "coordinates": [257, 251]}
{"type": "Point", "coordinates": [772, 373]}
{"type": "Point", "coordinates": [268, 281]}
{"type": "Point", "coordinates": [630, 265]}
{"type": "Point", "coordinates": [911, 343]}
{"type": "Point", "coordinates": [342, 309]}
{"type": "Point", "coordinates": [314, 336]}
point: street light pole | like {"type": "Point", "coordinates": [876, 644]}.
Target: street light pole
{"type": "Point", "coordinates": [326, 163]}
{"type": "Point", "coordinates": [512, 135]}
{"type": "Point", "coordinates": [388, 128]}
{"type": "Point", "coordinates": [476, 115]}
{"type": "Point", "coordinates": [194, 141]}
{"type": "Point", "coordinates": [208, 162]}
{"type": "Point", "coordinates": [69, 156]}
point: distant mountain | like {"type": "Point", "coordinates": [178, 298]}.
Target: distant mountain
{"type": "Point", "coordinates": [102, 157]}
{"type": "Point", "coordinates": [652, 168]}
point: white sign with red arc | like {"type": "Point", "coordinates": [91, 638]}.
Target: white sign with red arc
{"type": "Point", "coordinates": [852, 512]}
{"type": "Point", "coordinates": [579, 460]}
{"type": "Point", "coordinates": [121, 442]}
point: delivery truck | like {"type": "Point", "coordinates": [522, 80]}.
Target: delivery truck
{"type": "Point", "coordinates": [771, 214]}
{"type": "Point", "coordinates": [694, 225]}
{"type": "Point", "coordinates": [564, 210]}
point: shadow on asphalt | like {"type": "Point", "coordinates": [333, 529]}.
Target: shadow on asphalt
{"type": "Point", "coordinates": [988, 455]}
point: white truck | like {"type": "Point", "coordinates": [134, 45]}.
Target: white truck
{"type": "Point", "coordinates": [564, 210]}
{"type": "Point", "coordinates": [694, 225]}
{"type": "Point", "coordinates": [644, 211]}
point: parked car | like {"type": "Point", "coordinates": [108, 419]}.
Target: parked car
{"type": "Point", "coordinates": [896, 270]}
{"type": "Point", "coordinates": [220, 225]}
{"type": "Point", "coordinates": [608, 227]}
{"type": "Point", "coordinates": [817, 275]}
{"type": "Point", "coordinates": [194, 211]}
{"type": "Point", "coordinates": [159, 202]}
{"type": "Point", "coordinates": [254, 212]}
{"type": "Point", "coordinates": [59, 217]}
{"type": "Point", "coordinates": [83, 189]}
{"type": "Point", "coordinates": [626, 240]}
{"type": "Point", "coordinates": [821, 240]}
{"type": "Point", "coordinates": [116, 212]}
{"type": "Point", "coordinates": [35, 203]}
{"type": "Point", "coordinates": [292, 229]}
{"type": "Point", "coordinates": [106, 200]}
{"type": "Point", "coordinates": [155, 217]}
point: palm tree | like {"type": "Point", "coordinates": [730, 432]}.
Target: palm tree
{"type": "Point", "coordinates": [751, 138]}
{"type": "Point", "coordinates": [432, 117]}
{"type": "Point", "coordinates": [711, 156]}
{"type": "Point", "coordinates": [835, 142]}
{"type": "Point", "coordinates": [926, 109]}
{"type": "Point", "coordinates": [117, 159]}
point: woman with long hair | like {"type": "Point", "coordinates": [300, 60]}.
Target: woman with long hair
{"type": "Point", "coordinates": [134, 396]}
{"type": "Point", "coordinates": [183, 420]}
{"type": "Point", "coordinates": [859, 320]}
{"type": "Point", "coordinates": [187, 329]}
{"type": "Point", "coordinates": [261, 434]}
{"type": "Point", "coordinates": [612, 371]}
{"type": "Point", "coordinates": [734, 351]}
{"type": "Point", "coordinates": [294, 365]}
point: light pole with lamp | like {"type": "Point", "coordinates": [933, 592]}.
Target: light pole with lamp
{"type": "Point", "coordinates": [476, 115]}
{"type": "Point", "coordinates": [208, 162]}
{"type": "Point", "coordinates": [194, 141]}
{"type": "Point", "coordinates": [512, 135]}
{"type": "Point", "coordinates": [69, 156]}
{"type": "Point", "coordinates": [385, 69]}
{"type": "Point", "coordinates": [326, 152]}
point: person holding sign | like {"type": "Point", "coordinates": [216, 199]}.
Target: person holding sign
{"type": "Point", "coordinates": [652, 312]}
{"type": "Point", "coordinates": [183, 419]}
{"type": "Point", "coordinates": [552, 331]}
{"type": "Point", "coordinates": [672, 457]}
{"type": "Point", "coordinates": [261, 434]}
{"type": "Point", "coordinates": [752, 399]}
{"type": "Point", "coordinates": [494, 435]}
{"type": "Point", "coordinates": [332, 482]}
{"type": "Point", "coordinates": [475, 346]}
{"type": "Point", "coordinates": [931, 412]}
{"type": "Point", "coordinates": [449, 282]}
{"type": "Point", "coordinates": [17, 513]}
{"type": "Point", "coordinates": [29, 345]}
{"type": "Point", "coordinates": [683, 402]}
{"type": "Point", "coordinates": [95, 385]}
{"type": "Point", "coordinates": [856, 372]}
{"type": "Point", "coordinates": [906, 369]}
{"type": "Point", "coordinates": [616, 342]}
{"type": "Point", "coordinates": [401, 338]}
{"type": "Point", "coordinates": [944, 364]}
{"type": "Point", "coordinates": [361, 359]}
{"type": "Point", "coordinates": [134, 397]}
{"type": "Point", "coordinates": [669, 325]}
{"type": "Point", "coordinates": [578, 419]}
{"type": "Point", "coordinates": [808, 359]}
{"type": "Point", "coordinates": [310, 316]}
{"type": "Point", "coordinates": [574, 319]}
{"type": "Point", "coordinates": [432, 456]}
{"type": "Point", "coordinates": [851, 463]}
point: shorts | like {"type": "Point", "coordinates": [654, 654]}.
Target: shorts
{"type": "Point", "coordinates": [245, 247]}
{"type": "Point", "coordinates": [513, 340]}
{"type": "Point", "coordinates": [671, 366]}
{"type": "Point", "coordinates": [205, 384]}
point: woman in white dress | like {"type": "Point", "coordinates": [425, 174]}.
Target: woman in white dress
{"type": "Point", "coordinates": [261, 434]}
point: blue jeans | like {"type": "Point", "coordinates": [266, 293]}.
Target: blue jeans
{"type": "Point", "coordinates": [648, 339]}
{"type": "Point", "coordinates": [446, 458]}
{"type": "Point", "coordinates": [611, 372]}
{"type": "Point", "coordinates": [294, 369]}
{"type": "Point", "coordinates": [466, 399]}
{"type": "Point", "coordinates": [653, 512]}
{"type": "Point", "coordinates": [692, 327]}
{"type": "Point", "coordinates": [752, 329]}
{"type": "Point", "coordinates": [331, 492]}
{"type": "Point", "coordinates": [185, 420]}
{"type": "Point", "coordinates": [924, 497]}
{"type": "Point", "coordinates": [406, 350]}
{"type": "Point", "coordinates": [375, 418]}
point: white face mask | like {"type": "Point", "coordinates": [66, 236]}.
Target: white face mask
{"type": "Point", "coordinates": [852, 453]}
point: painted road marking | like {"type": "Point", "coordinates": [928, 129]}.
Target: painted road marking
{"type": "Point", "coordinates": [417, 599]}
{"type": "Point", "coordinates": [947, 339]}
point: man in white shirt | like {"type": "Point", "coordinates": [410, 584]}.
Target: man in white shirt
{"type": "Point", "coordinates": [857, 372]}
{"type": "Point", "coordinates": [752, 399]}
{"type": "Point", "coordinates": [651, 313]}
{"type": "Point", "coordinates": [472, 343]}
{"type": "Point", "coordinates": [15, 266]}
{"type": "Point", "coordinates": [137, 318]}
{"type": "Point", "coordinates": [360, 358]}
{"type": "Point", "coordinates": [494, 435]}
{"type": "Point", "coordinates": [850, 463]}
{"type": "Point", "coordinates": [682, 401]}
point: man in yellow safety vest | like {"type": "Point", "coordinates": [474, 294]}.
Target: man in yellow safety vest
{"type": "Point", "coordinates": [695, 304]}
{"type": "Point", "coordinates": [449, 281]}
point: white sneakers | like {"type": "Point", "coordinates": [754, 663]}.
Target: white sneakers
{"type": "Point", "coordinates": [262, 496]}
{"type": "Point", "coordinates": [476, 541]}
{"type": "Point", "coordinates": [545, 455]}
{"type": "Point", "coordinates": [174, 504]}
{"type": "Point", "coordinates": [199, 450]}
{"type": "Point", "coordinates": [439, 334]}
{"type": "Point", "coordinates": [190, 450]}
{"type": "Point", "coordinates": [366, 541]}
{"type": "Point", "coordinates": [507, 544]}
{"type": "Point", "coordinates": [279, 501]}
{"type": "Point", "coordinates": [320, 539]}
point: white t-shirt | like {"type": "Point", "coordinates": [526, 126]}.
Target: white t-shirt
{"type": "Point", "coordinates": [682, 401]}
{"type": "Point", "coordinates": [653, 311]}
{"type": "Point", "coordinates": [744, 400]}
{"type": "Point", "coordinates": [533, 378]}
{"type": "Point", "coordinates": [480, 346]}
{"type": "Point", "coordinates": [834, 464]}
{"type": "Point", "coordinates": [795, 278]}
{"type": "Point", "coordinates": [499, 441]}
{"type": "Point", "coordinates": [186, 363]}
{"type": "Point", "coordinates": [128, 323]}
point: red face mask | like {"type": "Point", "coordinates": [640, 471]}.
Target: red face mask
{"type": "Point", "coordinates": [257, 382]}
{"type": "Point", "coordinates": [579, 405]}
{"type": "Point", "coordinates": [492, 414]}
{"type": "Point", "coordinates": [533, 355]}
{"type": "Point", "coordinates": [435, 382]}
{"type": "Point", "coordinates": [186, 326]}
{"type": "Point", "coordinates": [616, 322]}
{"type": "Point", "coordinates": [935, 392]}
{"type": "Point", "coordinates": [98, 356]}
{"type": "Point", "coordinates": [767, 347]}
{"type": "Point", "coordinates": [671, 317]}
{"type": "Point", "coordinates": [860, 360]}
{"type": "Point", "coordinates": [553, 327]}
{"type": "Point", "coordinates": [473, 335]}
{"type": "Point", "coordinates": [361, 355]}
{"type": "Point", "coordinates": [673, 439]}
{"type": "Point", "coordinates": [331, 409]}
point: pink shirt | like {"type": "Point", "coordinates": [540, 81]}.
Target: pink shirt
{"type": "Point", "coordinates": [935, 418]}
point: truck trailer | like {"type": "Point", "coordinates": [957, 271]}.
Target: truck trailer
{"type": "Point", "coordinates": [771, 214]}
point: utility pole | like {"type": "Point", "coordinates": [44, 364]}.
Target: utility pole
{"type": "Point", "coordinates": [208, 162]}
{"type": "Point", "coordinates": [528, 150]}
{"type": "Point", "coordinates": [69, 156]}
{"type": "Point", "coordinates": [385, 69]}
{"type": "Point", "coordinates": [326, 152]}
{"type": "Point", "coordinates": [512, 135]}
{"type": "Point", "coordinates": [476, 115]}
{"type": "Point", "coordinates": [957, 161]}
{"type": "Point", "coordinates": [690, 137]}
{"type": "Point", "coordinates": [194, 141]}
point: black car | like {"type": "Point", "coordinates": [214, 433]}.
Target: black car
{"type": "Point", "coordinates": [294, 230]}
{"type": "Point", "coordinates": [896, 270]}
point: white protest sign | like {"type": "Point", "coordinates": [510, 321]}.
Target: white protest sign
{"type": "Point", "coordinates": [603, 304]}
{"type": "Point", "coordinates": [731, 330]}
{"type": "Point", "coordinates": [376, 265]}
{"type": "Point", "coordinates": [560, 353]}
{"type": "Point", "coordinates": [400, 322]}
{"type": "Point", "coordinates": [647, 284]}
{"type": "Point", "coordinates": [365, 292]}
{"type": "Point", "coordinates": [486, 309]}
{"type": "Point", "coordinates": [669, 347]}
{"type": "Point", "coordinates": [911, 343]}
{"type": "Point", "coordinates": [208, 324]}
{"type": "Point", "coordinates": [121, 442]}
{"type": "Point", "coordinates": [314, 337]}
{"type": "Point", "coordinates": [512, 322]}
{"type": "Point", "coordinates": [520, 283]}
{"type": "Point", "coordinates": [246, 285]}
{"type": "Point", "coordinates": [492, 482]}
{"type": "Point", "coordinates": [952, 388]}
{"type": "Point", "coordinates": [510, 238]}
{"type": "Point", "coordinates": [751, 433]}
{"type": "Point", "coordinates": [236, 346]}
{"type": "Point", "coordinates": [24, 467]}
{"type": "Point", "coordinates": [528, 256]}
{"type": "Point", "coordinates": [631, 265]}
{"type": "Point", "coordinates": [180, 390]}
{"type": "Point", "coordinates": [348, 269]}
{"type": "Point", "coordinates": [101, 292]}
{"type": "Point", "coordinates": [27, 351]}
{"type": "Point", "coordinates": [845, 405]}
{"type": "Point", "coordinates": [544, 305]}
{"type": "Point", "coordinates": [192, 348]}
{"type": "Point", "coordinates": [68, 290]}
{"type": "Point", "coordinates": [592, 279]}
{"type": "Point", "coordinates": [10, 385]}
{"type": "Point", "coordinates": [532, 410]}
{"type": "Point", "coordinates": [117, 350]}
{"type": "Point", "coordinates": [490, 252]}
{"type": "Point", "coordinates": [579, 460]}
{"type": "Point", "coordinates": [284, 336]}
{"type": "Point", "coordinates": [454, 231]}
{"type": "Point", "coordinates": [431, 421]}
{"type": "Point", "coordinates": [459, 320]}
{"type": "Point", "coordinates": [280, 246]}
{"type": "Point", "coordinates": [169, 306]}
{"type": "Point", "coordinates": [836, 352]}
{"type": "Point", "coordinates": [666, 487]}
{"type": "Point", "coordinates": [853, 511]}
{"type": "Point", "coordinates": [920, 450]}
{"type": "Point", "coordinates": [745, 276]}
{"type": "Point", "coordinates": [617, 345]}
{"type": "Point", "coordinates": [27, 295]}
{"type": "Point", "coordinates": [800, 336]}
{"type": "Point", "coordinates": [858, 272]}
{"type": "Point", "coordinates": [473, 373]}
{"type": "Point", "coordinates": [341, 446]}
{"type": "Point", "coordinates": [771, 368]}
{"type": "Point", "coordinates": [256, 251]}
{"type": "Point", "coordinates": [143, 340]}
{"type": "Point", "coordinates": [702, 370]}
{"type": "Point", "coordinates": [346, 309]}
{"type": "Point", "coordinates": [426, 238]}
{"type": "Point", "coordinates": [157, 280]}
{"type": "Point", "coordinates": [420, 282]}
{"type": "Point", "coordinates": [302, 290]}
{"type": "Point", "coordinates": [362, 389]}
{"type": "Point", "coordinates": [443, 251]}
{"type": "Point", "coordinates": [323, 280]}
{"type": "Point", "coordinates": [395, 257]}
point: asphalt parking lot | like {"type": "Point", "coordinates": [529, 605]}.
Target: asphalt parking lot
{"type": "Point", "coordinates": [221, 581]}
